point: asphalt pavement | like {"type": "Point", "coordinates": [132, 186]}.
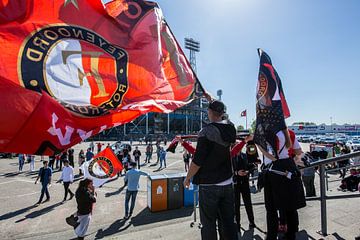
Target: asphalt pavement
{"type": "Point", "coordinates": [21, 219]}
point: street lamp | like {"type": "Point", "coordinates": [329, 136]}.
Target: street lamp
{"type": "Point", "coordinates": [331, 125]}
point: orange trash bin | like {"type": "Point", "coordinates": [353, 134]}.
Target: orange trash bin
{"type": "Point", "coordinates": [157, 193]}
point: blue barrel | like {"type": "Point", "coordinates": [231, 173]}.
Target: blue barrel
{"type": "Point", "coordinates": [189, 195]}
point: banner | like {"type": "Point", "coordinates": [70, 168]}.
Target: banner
{"type": "Point", "coordinates": [102, 168]}
{"type": "Point", "coordinates": [271, 106]}
{"type": "Point", "coordinates": [70, 69]}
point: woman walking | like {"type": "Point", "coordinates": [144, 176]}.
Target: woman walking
{"type": "Point", "coordinates": [85, 198]}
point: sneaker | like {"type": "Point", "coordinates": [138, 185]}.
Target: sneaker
{"type": "Point", "coordinates": [46, 200]}
{"type": "Point", "coordinates": [37, 204]}
{"type": "Point", "coordinates": [126, 216]}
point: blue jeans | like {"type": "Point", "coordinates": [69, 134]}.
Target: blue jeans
{"type": "Point", "coordinates": [162, 160]}
{"type": "Point", "coordinates": [217, 202]}
{"type": "Point", "coordinates": [132, 195]}
{"type": "Point", "coordinates": [45, 190]}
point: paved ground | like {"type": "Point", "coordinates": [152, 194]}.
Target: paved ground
{"type": "Point", "coordinates": [20, 219]}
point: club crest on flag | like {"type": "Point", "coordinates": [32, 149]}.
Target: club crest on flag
{"type": "Point", "coordinates": [101, 167]}
{"type": "Point", "coordinates": [76, 66]}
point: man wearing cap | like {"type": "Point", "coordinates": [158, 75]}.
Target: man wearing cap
{"type": "Point", "coordinates": [211, 169]}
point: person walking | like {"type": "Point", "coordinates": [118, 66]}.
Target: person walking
{"type": "Point", "coordinates": [89, 154]}
{"type": "Point", "coordinates": [63, 157]}
{"type": "Point", "coordinates": [81, 160]}
{"type": "Point", "coordinates": [32, 162]}
{"type": "Point", "coordinates": [186, 158]}
{"type": "Point", "coordinates": [158, 147]}
{"type": "Point", "coordinates": [92, 146]}
{"type": "Point", "coordinates": [85, 198]}
{"type": "Point", "coordinates": [132, 179]}
{"type": "Point", "coordinates": [162, 157]}
{"type": "Point", "coordinates": [211, 169]}
{"type": "Point", "coordinates": [67, 177]}
{"type": "Point", "coordinates": [99, 147]}
{"type": "Point", "coordinates": [52, 161]}
{"type": "Point", "coordinates": [149, 152]}
{"type": "Point", "coordinates": [45, 180]}
{"type": "Point", "coordinates": [21, 161]}
{"type": "Point", "coordinates": [71, 157]}
{"type": "Point", "coordinates": [137, 154]}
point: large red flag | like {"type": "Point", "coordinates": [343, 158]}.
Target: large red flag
{"type": "Point", "coordinates": [70, 69]}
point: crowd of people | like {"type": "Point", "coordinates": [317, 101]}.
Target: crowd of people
{"type": "Point", "coordinates": [219, 166]}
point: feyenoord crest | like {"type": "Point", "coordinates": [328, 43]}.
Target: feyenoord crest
{"type": "Point", "coordinates": [76, 66]}
{"type": "Point", "coordinates": [101, 167]}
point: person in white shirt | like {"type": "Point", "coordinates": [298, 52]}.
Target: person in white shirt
{"type": "Point", "coordinates": [283, 189]}
{"type": "Point", "coordinates": [67, 177]}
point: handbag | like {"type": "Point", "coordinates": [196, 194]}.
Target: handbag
{"type": "Point", "coordinates": [72, 220]}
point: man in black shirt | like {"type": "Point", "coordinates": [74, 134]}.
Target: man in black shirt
{"type": "Point", "coordinates": [137, 154]}
{"type": "Point", "coordinates": [71, 157]}
{"type": "Point", "coordinates": [242, 168]}
{"type": "Point", "coordinates": [211, 169]}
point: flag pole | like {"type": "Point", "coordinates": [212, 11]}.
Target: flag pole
{"type": "Point", "coordinates": [246, 128]}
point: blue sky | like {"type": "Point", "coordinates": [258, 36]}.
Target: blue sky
{"type": "Point", "coordinates": [314, 46]}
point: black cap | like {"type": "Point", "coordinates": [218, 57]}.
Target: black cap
{"type": "Point", "coordinates": [217, 106]}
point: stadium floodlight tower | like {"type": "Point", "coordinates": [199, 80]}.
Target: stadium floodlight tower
{"type": "Point", "coordinates": [219, 93]}
{"type": "Point", "coordinates": [194, 47]}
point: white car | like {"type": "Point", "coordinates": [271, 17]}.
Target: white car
{"type": "Point", "coordinates": [353, 144]}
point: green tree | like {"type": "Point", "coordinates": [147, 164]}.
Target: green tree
{"type": "Point", "coordinates": [240, 128]}
{"type": "Point", "coordinates": [252, 126]}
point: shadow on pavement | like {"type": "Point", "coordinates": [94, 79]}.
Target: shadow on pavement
{"type": "Point", "coordinates": [40, 212]}
{"type": "Point", "coordinates": [15, 213]}
{"type": "Point", "coordinates": [143, 218]}
{"type": "Point", "coordinates": [147, 217]}
{"type": "Point", "coordinates": [159, 169]}
{"type": "Point", "coordinates": [116, 227]}
{"type": "Point", "coordinates": [12, 174]}
{"type": "Point", "coordinates": [109, 194]}
{"type": "Point", "coordinates": [337, 236]}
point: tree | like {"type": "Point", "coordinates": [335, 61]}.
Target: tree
{"type": "Point", "coordinates": [240, 128]}
{"type": "Point", "coordinates": [252, 126]}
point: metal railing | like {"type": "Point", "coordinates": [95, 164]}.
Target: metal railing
{"type": "Point", "coordinates": [323, 197]}
{"type": "Point", "coordinates": [323, 185]}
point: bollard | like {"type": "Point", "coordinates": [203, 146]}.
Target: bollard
{"type": "Point", "coordinates": [323, 200]}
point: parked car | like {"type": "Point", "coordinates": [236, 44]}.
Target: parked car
{"type": "Point", "coordinates": [353, 145]}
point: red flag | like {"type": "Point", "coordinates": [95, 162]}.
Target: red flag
{"type": "Point", "coordinates": [71, 69]}
{"type": "Point", "coordinates": [104, 166]}
{"type": "Point", "coordinates": [243, 113]}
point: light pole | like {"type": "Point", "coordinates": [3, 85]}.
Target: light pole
{"type": "Point", "coordinates": [194, 47]}
{"type": "Point", "coordinates": [331, 125]}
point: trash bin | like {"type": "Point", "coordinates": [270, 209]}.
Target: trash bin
{"type": "Point", "coordinates": [157, 193]}
{"type": "Point", "coordinates": [175, 190]}
{"type": "Point", "coordinates": [189, 195]}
